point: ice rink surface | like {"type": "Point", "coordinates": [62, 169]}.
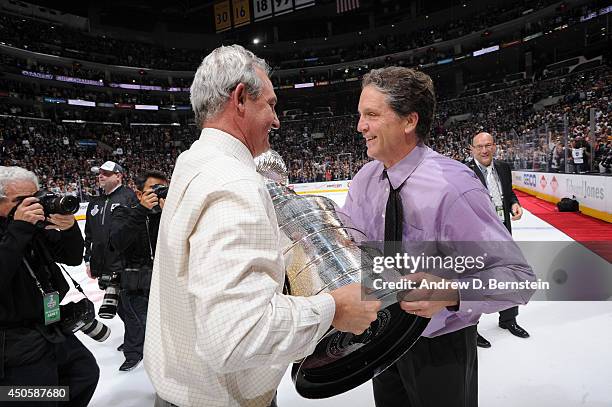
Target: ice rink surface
{"type": "Point", "coordinates": [566, 362]}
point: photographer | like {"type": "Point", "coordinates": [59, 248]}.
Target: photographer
{"type": "Point", "coordinates": [34, 350]}
{"type": "Point", "coordinates": [133, 233]}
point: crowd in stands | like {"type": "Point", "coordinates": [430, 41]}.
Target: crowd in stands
{"type": "Point", "coordinates": [330, 148]}
{"type": "Point", "coordinates": [56, 39]}
{"type": "Point", "coordinates": [63, 155]}
{"type": "Point", "coordinates": [414, 38]}
{"type": "Point", "coordinates": [526, 137]}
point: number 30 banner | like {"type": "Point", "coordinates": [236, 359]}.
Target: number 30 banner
{"type": "Point", "coordinates": [222, 16]}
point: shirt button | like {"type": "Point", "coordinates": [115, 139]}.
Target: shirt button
{"type": "Point", "coordinates": [386, 189]}
{"type": "Point", "coordinates": [469, 310]}
{"type": "Point", "coordinates": [383, 214]}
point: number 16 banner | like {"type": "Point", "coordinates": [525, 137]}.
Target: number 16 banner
{"type": "Point", "coordinates": [242, 12]}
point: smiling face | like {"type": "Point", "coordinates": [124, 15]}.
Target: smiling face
{"type": "Point", "coordinates": [389, 137]}
{"type": "Point", "coordinates": [261, 116]}
{"type": "Point", "coordinates": [483, 148]}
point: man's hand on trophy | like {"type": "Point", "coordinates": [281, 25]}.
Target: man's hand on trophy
{"type": "Point", "coordinates": [353, 313]}
{"type": "Point", "coordinates": [430, 295]}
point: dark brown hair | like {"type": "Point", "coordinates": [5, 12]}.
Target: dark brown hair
{"type": "Point", "coordinates": [407, 91]}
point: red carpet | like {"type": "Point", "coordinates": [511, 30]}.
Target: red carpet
{"type": "Point", "coordinates": [591, 232]}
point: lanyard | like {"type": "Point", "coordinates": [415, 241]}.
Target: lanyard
{"type": "Point", "coordinates": [149, 239]}
{"type": "Point", "coordinates": [34, 277]}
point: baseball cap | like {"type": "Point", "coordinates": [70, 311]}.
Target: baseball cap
{"type": "Point", "coordinates": [108, 166]}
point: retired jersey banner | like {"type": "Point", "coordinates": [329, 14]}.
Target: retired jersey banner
{"type": "Point", "coordinates": [223, 19]}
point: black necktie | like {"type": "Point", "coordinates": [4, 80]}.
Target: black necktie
{"type": "Point", "coordinates": [393, 220]}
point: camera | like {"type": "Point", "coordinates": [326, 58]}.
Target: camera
{"type": "Point", "coordinates": [80, 316]}
{"type": "Point", "coordinates": [161, 191]}
{"type": "Point", "coordinates": [110, 284]}
{"type": "Point", "coordinates": [53, 203]}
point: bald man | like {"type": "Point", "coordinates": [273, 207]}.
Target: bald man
{"type": "Point", "coordinates": [497, 178]}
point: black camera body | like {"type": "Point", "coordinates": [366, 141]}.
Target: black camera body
{"type": "Point", "coordinates": [109, 280]}
{"type": "Point", "coordinates": [81, 316]}
{"type": "Point", "coordinates": [53, 203]}
{"type": "Point", "coordinates": [160, 190]}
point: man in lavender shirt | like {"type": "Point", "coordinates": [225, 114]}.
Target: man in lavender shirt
{"type": "Point", "coordinates": [440, 200]}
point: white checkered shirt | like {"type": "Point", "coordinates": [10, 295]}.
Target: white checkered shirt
{"type": "Point", "coordinates": [219, 330]}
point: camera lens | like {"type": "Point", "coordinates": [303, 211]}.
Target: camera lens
{"type": "Point", "coordinates": [108, 309]}
{"type": "Point", "coordinates": [96, 330]}
{"type": "Point", "coordinates": [68, 205]}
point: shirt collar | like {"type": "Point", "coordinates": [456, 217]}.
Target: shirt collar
{"type": "Point", "coordinates": [227, 143]}
{"type": "Point", "coordinates": [484, 169]}
{"type": "Point", "coordinates": [402, 170]}
{"type": "Point", "coordinates": [114, 189]}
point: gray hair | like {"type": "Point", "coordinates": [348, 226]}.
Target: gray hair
{"type": "Point", "coordinates": [407, 91]}
{"type": "Point", "coordinates": [8, 175]}
{"type": "Point", "coordinates": [218, 74]}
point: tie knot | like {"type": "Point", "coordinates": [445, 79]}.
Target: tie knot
{"type": "Point", "coordinates": [386, 175]}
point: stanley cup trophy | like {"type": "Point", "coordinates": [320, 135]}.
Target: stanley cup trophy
{"type": "Point", "coordinates": [321, 254]}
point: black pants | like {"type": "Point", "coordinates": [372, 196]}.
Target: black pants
{"type": "Point", "coordinates": [508, 315]}
{"type": "Point", "coordinates": [436, 372]}
{"type": "Point", "coordinates": [67, 363]}
{"type": "Point", "coordinates": [133, 311]}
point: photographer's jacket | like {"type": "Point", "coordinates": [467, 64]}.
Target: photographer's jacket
{"type": "Point", "coordinates": [20, 299]}
{"type": "Point", "coordinates": [101, 257]}
{"type": "Point", "coordinates": [23, 336]}
{"type": "Point", "coordinates": [133, 233]}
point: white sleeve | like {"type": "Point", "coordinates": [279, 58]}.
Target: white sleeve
{"type": "Point", "coordinates": [236, 275]}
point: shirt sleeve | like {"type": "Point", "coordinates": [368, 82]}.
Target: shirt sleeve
{"type": "Point", "coordinates": [235, 276]}
{"type": "Point", "coordinates": [471, 228]}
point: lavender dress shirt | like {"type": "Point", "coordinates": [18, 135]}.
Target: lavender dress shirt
{"type": "Point", "coordinates": [442, 201]}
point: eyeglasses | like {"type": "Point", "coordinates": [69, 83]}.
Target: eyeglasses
{"type": "Point", "coordinates": [485, 146]}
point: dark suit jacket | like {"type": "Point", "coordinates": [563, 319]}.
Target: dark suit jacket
{"type": "Point", "coordinates": [505, 177]}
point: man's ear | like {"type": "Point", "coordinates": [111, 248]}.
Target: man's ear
{"type": "Point", "coordinates": [411, 122]}
{"type": "Point", "coordinates": [239, 96]}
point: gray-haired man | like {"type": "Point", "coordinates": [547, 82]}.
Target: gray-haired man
{"type": "Point", "coordinates": [220, 332]}
{"type": "Point", "coordinates": [34, 349]}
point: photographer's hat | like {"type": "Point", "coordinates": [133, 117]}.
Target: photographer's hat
{"type": "Point", "coordinates": [109, 166]}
